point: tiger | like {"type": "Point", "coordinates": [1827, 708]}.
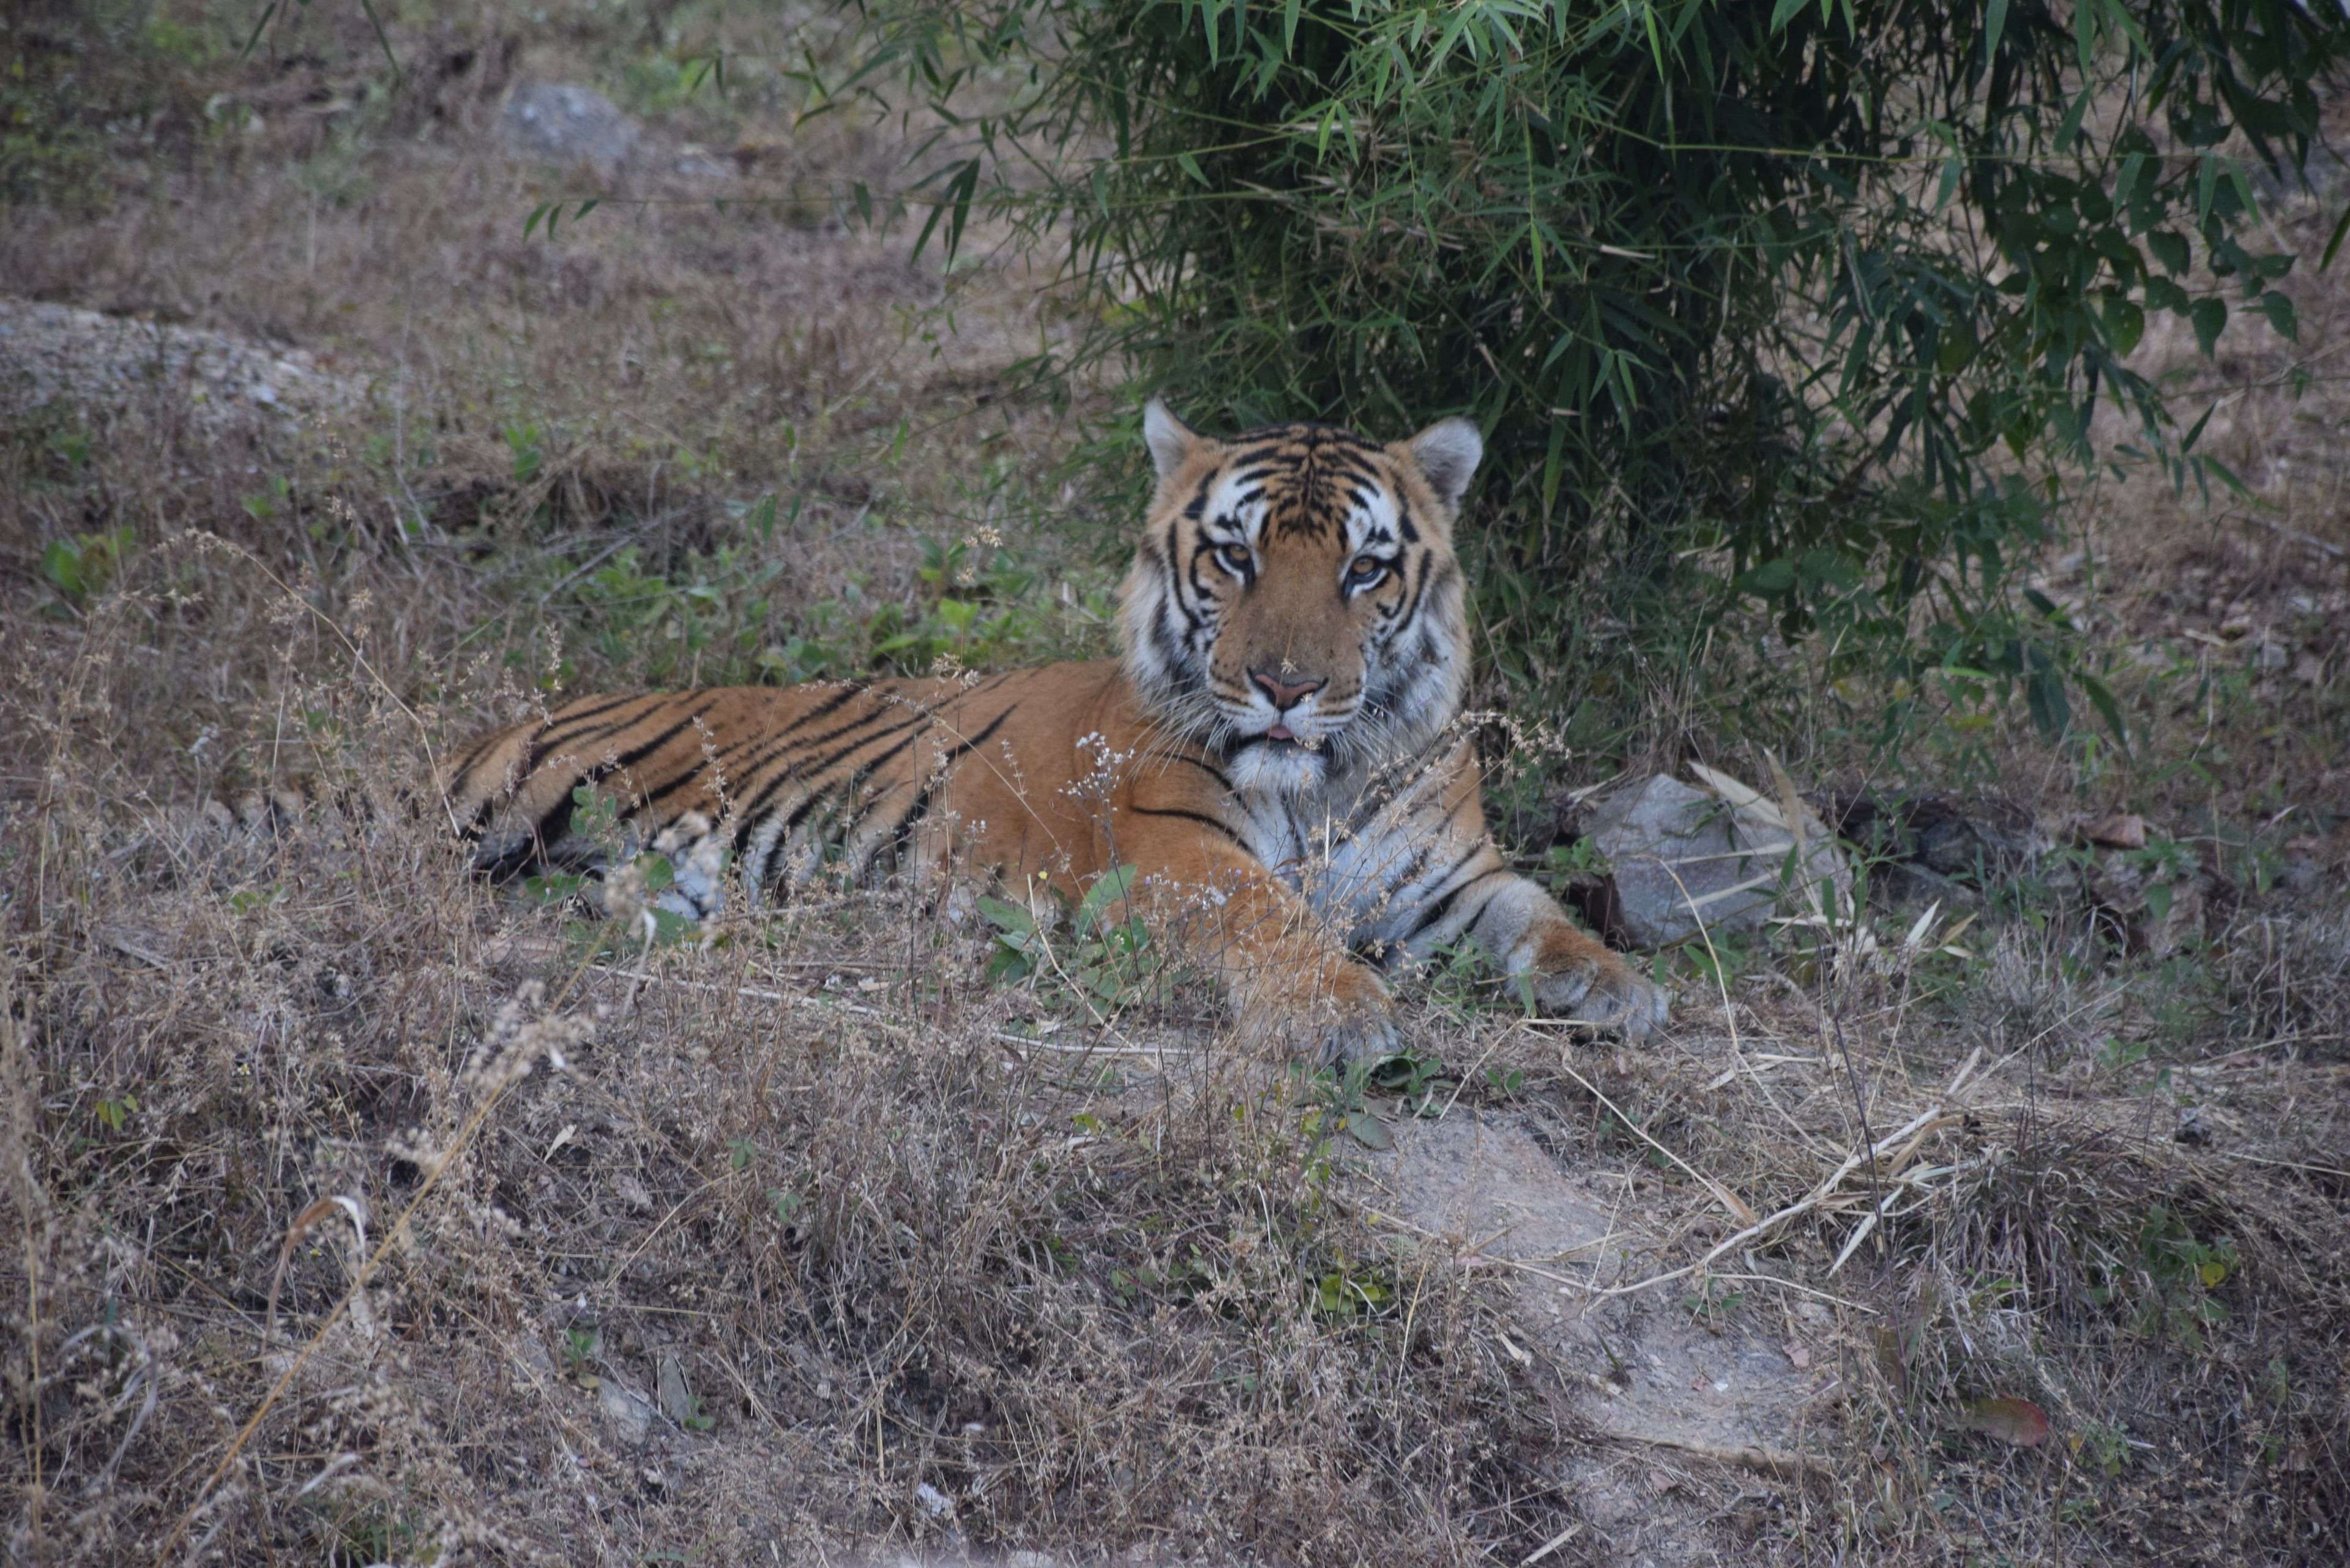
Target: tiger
{"type": "Point", "coordinates": [1276, 753]}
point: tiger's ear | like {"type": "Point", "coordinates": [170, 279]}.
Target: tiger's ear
{"type": "Point", "coordinates": [1448, 452]}
{"type": "Point", "coordinates": [1170, 439]}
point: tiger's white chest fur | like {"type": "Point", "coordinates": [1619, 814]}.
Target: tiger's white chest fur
{"type": "Point", "coordinates": [1370, 862]}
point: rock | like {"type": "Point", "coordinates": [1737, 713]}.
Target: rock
{"type": "Point", "coordinates": [1560, 1237]}
{"type": "Point", "coordinates": [692, 162]}
{"type": "Point", "coordinates": [1930, 846]}
{"type": "Point", "coordinates": [1973, 846]}
{"type": "Point", "coordinates": [96, 364]}
{"type": "Point", "coordinates": [630, 1413]}
{"type": "Point", "coordinates": [677, 1400]}
{"type": "Point", "coordinates": [1681, 854]}
{"type": "Point", "coordinates": [556, 122]}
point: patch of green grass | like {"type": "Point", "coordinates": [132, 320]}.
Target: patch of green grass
{"type": "Point", "coordinates": [1104, 964]}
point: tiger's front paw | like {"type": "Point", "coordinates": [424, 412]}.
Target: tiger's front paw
{"type": "Point", "coordinates": [1337, 1015]}
{"type": "Point", "coordinates": [1607, 993]}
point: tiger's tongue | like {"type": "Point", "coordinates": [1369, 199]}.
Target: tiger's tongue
{"type": "Point", "coordinates": [1279, 732]}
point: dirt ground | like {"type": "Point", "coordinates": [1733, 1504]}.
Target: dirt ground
{"type": "Point", "coordinates": [357, 1212]}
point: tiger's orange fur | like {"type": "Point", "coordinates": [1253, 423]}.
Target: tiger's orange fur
{"type": "Point", "coordinates": [1272, 754]}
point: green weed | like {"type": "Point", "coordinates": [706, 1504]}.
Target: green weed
{"type": "Point", "coordinates": [79, 568]}
{"type": "Point", "coordinates": [1106, 964]}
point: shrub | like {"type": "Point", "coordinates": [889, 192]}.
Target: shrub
{"type": "Point", "coordinates": [1821, 298]}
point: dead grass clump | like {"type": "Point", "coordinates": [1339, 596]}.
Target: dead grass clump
{"type": "Point", "coordinates": [2045, 994]}
{"type": "Point", "coordinates": [2286, 983]}
{"type": "Point", "coordinates": [2092, 1280]}
{"type": "Point", "coordinates": [2179, 1320]}
{"type": "Point", "coordinates": [1099, 1324]}
{"type": "Point", "coordinates": [364, 1214]}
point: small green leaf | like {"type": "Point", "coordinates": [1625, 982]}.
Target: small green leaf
{"type": "Point", "coordinates": [2334, 240]}
{"type": "Point", "coordinates": [670, 928]}
{"type": "Point", "coordinates": [2102, 699]}
{"type": "Point", "coordinates": [2206, 462]}
{"type": "Point", "coordinates": [1369, 1130]}
{"type": "Point", "coordinates": [1770, 579]}
{"type": "Point", "coordinates": [2125, 325]}
{"type": "Point", "coordinates": [2071, 126]}
{"type": "Point", "coordinates": [1951, 169]}
{"type": "Point", "coordinates": [1112, 886]}
{"type": "Point", "coordinates": [2209, 316]}
{"type": "Point", "coordinates": [1007, 917]}
{"type": "Point", "coordinates": [2126, 184]}
{"type": "Point", "coordinates": [61, 563]}
{"type": "Point", "coordinates": [2279, 309]}
{"type": "Point", "coordinates": [2043, 693]}
{"type": "Point", "coordinates": [2157, 903]}
{"type": "Point", "coordinates": [2168, 248]}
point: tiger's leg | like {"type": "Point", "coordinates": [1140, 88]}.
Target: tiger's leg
{"type": "Point", "coordinates": [1288, 981]}
{"type": "Point", "coordinates": [1423, 874]}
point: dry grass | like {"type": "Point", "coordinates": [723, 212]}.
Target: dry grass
{"type": "Point", "coordinates": [315, 1249]}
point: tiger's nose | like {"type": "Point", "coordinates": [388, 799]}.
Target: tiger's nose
{"type": "Point", "coordinates": [1287, 694]}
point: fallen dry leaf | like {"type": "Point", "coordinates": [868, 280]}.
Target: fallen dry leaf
{"type": "Point", "coordinates": [2017, 1422]}
{"type": "Point", "coordinates": [2123, 830]}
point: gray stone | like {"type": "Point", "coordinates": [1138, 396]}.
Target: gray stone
{"type": "Point", "coordinates": [556, 122]}
{"type": "Point", "coordinates": [632, 1414]}
{"type": "Point", "coordinates": [677, 1400]}
{"type": "Point", "coordinates": [1680, 855]}
{"type": "Point", "coordinates": [96, 364]}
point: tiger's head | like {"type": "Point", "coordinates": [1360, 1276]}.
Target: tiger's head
{"type": "Point", "coordinates": [1295, 603]}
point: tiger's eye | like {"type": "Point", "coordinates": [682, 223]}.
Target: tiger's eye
{"type": "Point", "coordinates": [1236, 557]}
{"type": "Point", "coordinates": [1366, 569]}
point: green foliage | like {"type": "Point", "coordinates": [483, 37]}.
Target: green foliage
{"type": "Point", "coordinates": [48, 156]}
{"type": "Point", "coordinates": [1419, 1078]}
{"type": "Point", "coordinates": [579, 1348]}
{"type": "Point", "coordinates": [1350, 1293]}
{"type": "Point", "coordinates": [596, 818]}
{"type": "Point", "coordinates": [2166, 1275]}
{"type": "Point", "coordinates": [80, 568]}
{"type": "Point", "coordinates": [725, 613]}
{"type": "Point", "coordinates": [525, 441]}
{"type": "Point", "coordinates": [1816, 301]}
{"type": "Point", "coordinates": [1106, 963]}
{"type": "Point", "coordinates": [1711, 1303]}
{"type": "Point", "coordinates": [1463, 977]}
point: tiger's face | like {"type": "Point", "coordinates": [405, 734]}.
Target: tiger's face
{"type": "Point", "coordinates": [1295, 603]}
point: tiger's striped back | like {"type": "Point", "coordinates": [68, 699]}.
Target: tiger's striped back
{"type": "Point", "coordinates": [842, 778]}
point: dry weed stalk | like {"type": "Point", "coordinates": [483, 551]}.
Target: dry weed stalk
{"type": "Point", "coordinates": [499, 1064]}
